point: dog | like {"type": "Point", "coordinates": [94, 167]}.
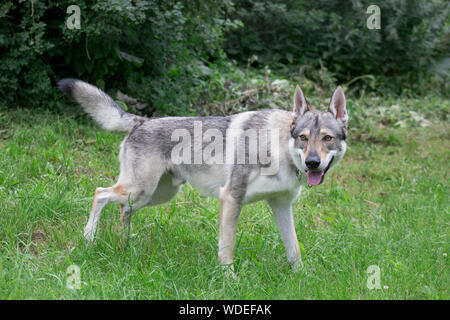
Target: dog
{"type": "Point", "coordinates": [307, 145]}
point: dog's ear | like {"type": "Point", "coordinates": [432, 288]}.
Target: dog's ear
{"type": "Point", "coordinates": [337, 105]}
{"type": "Point", "coordinates": [301, 105]}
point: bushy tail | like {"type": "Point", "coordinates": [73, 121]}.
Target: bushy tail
{"type": "Point", "coordinates": [99, 105]}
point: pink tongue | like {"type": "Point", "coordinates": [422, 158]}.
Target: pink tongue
{"type": "Point", "coordinates": [314, 177]}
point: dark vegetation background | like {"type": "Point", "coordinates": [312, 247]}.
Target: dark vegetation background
{"type": "Point", "coordinates": [190, 52]}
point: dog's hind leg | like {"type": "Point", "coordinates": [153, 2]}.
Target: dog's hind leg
{"type": "Point", "coordinates": [125, 215]}
{"type": "Point", "coordinates": [101, 198]}
{"type": "Point", "coordinates": [133, 191]}
{"type": "Point", "coordinates": [136, 195]}
{"type": "Point", "coordinates": [284, 218]}
{"type": "Point", "coordinates": [168, 187]}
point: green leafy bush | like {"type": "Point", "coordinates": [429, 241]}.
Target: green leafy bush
{"type": "Point", "coordinates": [157, 51]}
{"type": "Point", "coordinates": [412, 43]}
{"type": "Point", "coordinates": [168, 54]}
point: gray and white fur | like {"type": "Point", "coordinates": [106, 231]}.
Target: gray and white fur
{"type": "Point", "coordinates": [311, 143]}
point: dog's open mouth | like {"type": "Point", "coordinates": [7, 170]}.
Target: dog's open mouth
{"type": "Point", "coordinates": [316, 177]}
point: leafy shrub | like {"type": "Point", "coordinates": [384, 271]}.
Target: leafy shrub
{"type": "Point", "coordinates": [157, 51]}
{"type": "Point", "coordinates": [168, 54]}
{"type": "Point", "coordinates": [412, 43]}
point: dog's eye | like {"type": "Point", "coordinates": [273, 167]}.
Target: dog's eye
{"type": "Point", "coordinates": [303, 138]}
{"type": "Point", "coordinates": [327, 138]}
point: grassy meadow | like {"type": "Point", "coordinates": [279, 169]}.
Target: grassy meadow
{"type": "Point", "coordinates": [386, 204]}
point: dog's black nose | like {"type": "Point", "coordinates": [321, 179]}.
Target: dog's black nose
{"type": "Point", "coordinates": [312, 162]}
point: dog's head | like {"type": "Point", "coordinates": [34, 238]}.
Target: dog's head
{"type": "Point", "coordinates": [318, 137]}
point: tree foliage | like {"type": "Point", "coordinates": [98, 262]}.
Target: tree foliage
{"type": "Point", "coordinates": [166, 52]}
{"type": "Point", "coordinates": [413, 39]}
{"type": "Point", "coordinates": [158, 51]}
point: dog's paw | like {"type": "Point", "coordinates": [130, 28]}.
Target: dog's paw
{"type": "Point", "coordinates": [298, 266]}
{"type": "Point", "coordinates": [89, 236]}
{"type": "Point", "coordinates": [229, 273]}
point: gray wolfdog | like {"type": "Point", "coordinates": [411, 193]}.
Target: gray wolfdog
{"type": "Point", "coordinates": [308, 143]}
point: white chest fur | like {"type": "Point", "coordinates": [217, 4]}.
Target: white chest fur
{"type": "Point", "coordinates": [285, 184]}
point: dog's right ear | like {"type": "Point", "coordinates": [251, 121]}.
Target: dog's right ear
{"type": "Point", "coordinates": [300, 103]}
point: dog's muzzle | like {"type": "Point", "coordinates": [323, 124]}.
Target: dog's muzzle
{"type": "Point", "coordinates": [315, 177]}
{"type": "Point", "coordinates": [312, 162]}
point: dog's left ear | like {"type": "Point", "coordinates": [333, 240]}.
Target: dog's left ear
{"type": "Point", "coordinates": [337, 105]}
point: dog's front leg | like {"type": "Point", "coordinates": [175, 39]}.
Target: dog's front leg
{"type": "Point", "coordinates": [230, 209]}
{"type": "Point", "coordinates": [284, 219]}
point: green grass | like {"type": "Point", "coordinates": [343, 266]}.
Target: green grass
{"type": "Point", "coordinates": [386, 204]}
